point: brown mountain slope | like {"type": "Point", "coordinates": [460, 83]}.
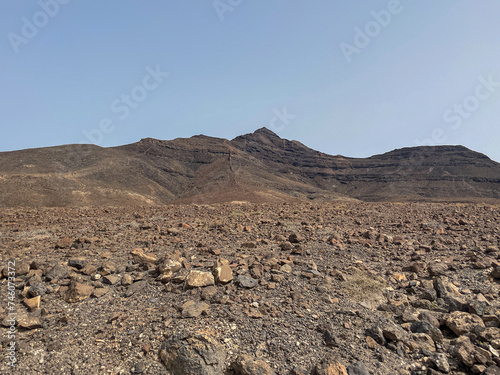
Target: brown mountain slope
{"type": "Point", "coordinates": [256, 167]}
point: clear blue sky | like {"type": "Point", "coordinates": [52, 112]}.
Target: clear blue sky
{"type": "Point", "coordinates": [346, 77]}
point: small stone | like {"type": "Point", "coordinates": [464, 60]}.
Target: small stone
{"type": "Point", "coordinates": [199, 279]}
{"type": "Point", "coordinates": [223, 274]}
{"type": "Point", "coordinates": [136, 287]}
{"type": "Point", "coordinates": [78, 263]}
{"type": "Point", "coordinates": [138, 368]}
{"type": "Point", "coordinates": [495, 273]}
{"type": "Point", "coordinates": [398, 240]}
{"type": "Point", "coordinates": [461, 322]}
{"type": "Point", "coordinates": [393, 332]}
{"type": "Point", "coordinates": [58, 272]}
{"type": "Point", "coordinates": [464, 351]}
{"type": "Point", "coordinates": [357, 368]}
{"type": "Point", "coordinates": [478, 369]}
{"type": "Point", "coordinates": [437, 269]}
{"type": "Point", "coordinates": [483, 263]}
{"type": "Point", "coordinates": [399, 277]}
{"type": "Point", "coordinates": [140, 257]}
{"type": "Point", "coordinates": [99, 292]}
{"type": "Point", "coordinates": [165, 277]}
{"type": "Point", "coordinates": [192, 309]}
{"type": "Point", "coordinates": [22, 268]}
{"type": "Point", "coordinates": [330, 367]}
{"type": "Point", "coordinates": [78, 292]}
{"type": "Point", "coordinates": [249, 245]}
{"type": "Point", "coordinates": [377, 334]}
{"type": "Point", "coordinates": [246, 365]}
{"type": "Point", "coordinates": [111, 279]}
{"type": "Point", "coordinates": [295, 238]}
{"type": "Point", "coordinates": [286, 268]}
{"type": "Point", "coordinates": [37, 289]}
{"type": "Point", "coordinates": [107, 268]}
{"type": "Point", "coordinates": [372, 344]}
{"type": "Point", "coordinates": [330, 338]}
{"type": "Point", "coordinates": [440, 362]}
{"type": "Point", "coordinates": [286, 245]}
{"type": "Point", "coordinates": [208, 293]}
{"type": "Point", "coordinates": [173, 231]}
{"type": "Point", "coordinates": [279, 238]}
{"type": "Point", "coordinates": [492, 370]}
{"type": "Point", "coordinates": [422, 341]}
{"type": "Point", "coordinates": [127, 280]}
{"type": "Point", "coordinates": [32, 303]}
{"type": "Point", "coordinates": [199, 354]}
{"type": "Point", "coordinates": [427, 328]}
{"type": "Point", "coordinates": [64, 243]}
{"type": "Point", "coordinates": [28, 321]}
{"type": "Point", "coordinates": [246, 281]}
{"type": "Point", "coordinates": [169, 266]}
{"type": "Point", "coordinates": [490, 334]}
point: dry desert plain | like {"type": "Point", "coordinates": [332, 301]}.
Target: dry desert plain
{"type": "Point", "coordinates": [331, 288]}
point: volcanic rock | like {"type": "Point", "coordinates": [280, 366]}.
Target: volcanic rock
{"type": "Point", "coordinates": [193, 354]}
{"type": "Point", "coordinates": [78, 292]}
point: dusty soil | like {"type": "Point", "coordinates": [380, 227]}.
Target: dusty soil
{"type": "Point", "coordinates": [326, 284]}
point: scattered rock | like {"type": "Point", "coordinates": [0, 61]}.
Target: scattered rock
{"type": "Point", "coordinates": [492, 370]}
{"type": "Point", "coordinates": [246, 281]}
{"type": "Point", "coordinates": [357, 368]}
{"type": "Point", "coordinates": [37, 289]}
{"type": "Point", "coordinates": [199, 279]}
{"type": "Point", "coordinates": [246, 365]}
{"type": "Point", "coordinates": [193, 354]}
{"type": "Point", "coordinates": [169, 266]}
{"type": "Point", "coordinates": [99, 292]}
{"type": "Point", "coordinates": [107, 268]}
{"type": "Point", "coordinates": [286, 245]}
{"type": "Point", "coordinates": [111, 279]}
{"type": "Point", "coordinates": [330, 367]}
{"type": "Point", "coordinates": [461, 322]}
{"type": "Point", "coordinates": [330, 338]}
{"type": "Point", "coordinates": [495, 273]}
{"type": "Point", "coordinates": [64, 243]}
{"type": "Point", "coordinates": [440, 362]}
{"type": "Point", "coordinates": [223, 274]}
{"type": "Point", "coordinates": [32, 303]}
{"type": "Point", "coordinates": [192, 309]}
{"type": "Point", "coordinates": [78, 263]}
{"type": "Point", "coordinates": [140, 257]}
{"type": "Point", "coordinates": [438, 269]}
{"type": "Point", "coordinates": [464, 351]}
{"type": "Point", "coordinates": [28, 321]}
{"type": "Point", "coordinates": [22, 268]}
{"type": "Point", "coordinates": [295, 238]}
{"type": "Point", "coordinates": [58, 272]}
{"type": "Point", "coordinates": [127, 280]}
{"type": "Point", "coordinates": [136, 287]}
{"type": "Point", "coordinates": [78, 292]}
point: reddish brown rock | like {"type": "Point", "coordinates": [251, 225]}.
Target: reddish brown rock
{"type": "Point", "coordinates": [78, 292]}
{"type": "Point", "coordinates": [461, 322]}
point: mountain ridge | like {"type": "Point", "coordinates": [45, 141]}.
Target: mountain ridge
{"type": "Point", "coordinates": [254, 167]}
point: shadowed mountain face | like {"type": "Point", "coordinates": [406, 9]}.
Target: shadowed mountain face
{"type": "Point", "coordinates": [257, 167]}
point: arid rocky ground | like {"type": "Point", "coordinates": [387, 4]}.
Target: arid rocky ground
{"type": "Point", "coordinates": [346, 288]}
